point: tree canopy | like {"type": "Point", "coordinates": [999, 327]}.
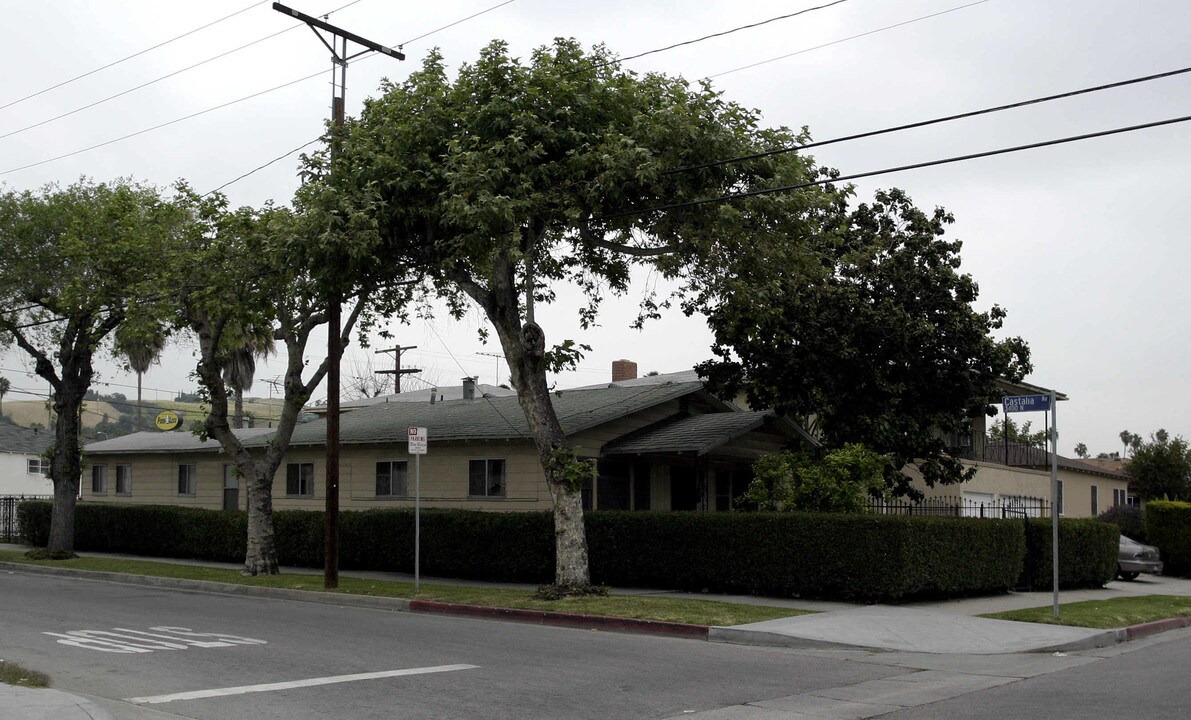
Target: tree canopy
{"type": "Point", "coordinates": [516, 178]}
{"type": "Point", "coordinates": [77, 262]}
{"type": "Point", "coordinates": [1161, 467]}
{"type": "Point", "coordinates": [881, 346]}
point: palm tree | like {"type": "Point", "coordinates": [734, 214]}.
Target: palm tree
{"type": "Point", "coordinates": [250, 344]}
{"type": "Point", "coordinates": [5, 386]}
{"type": "Point", "coordinates": [141, 350]}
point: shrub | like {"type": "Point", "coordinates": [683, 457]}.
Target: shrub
{"type": "Point", "coordinates": [1168, 525]}
{"type": "Point", "coordinates": [1128, 518]}
{"type": "Point", "coordinates": [1087, 554]}
{"type": "Point", "coordinates": [839, 481]}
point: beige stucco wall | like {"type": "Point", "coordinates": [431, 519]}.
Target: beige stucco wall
{"type": "Point", "coordinates": [1004, 481]}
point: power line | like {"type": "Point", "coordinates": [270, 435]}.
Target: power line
{"type": "Point", "coordinates": [725, 32]}
{"type": "Point", "coordinates": [457, 22]}
{"type": "Point", "coordinates": [843, 40]}
{"type": "Point", "coordinates": [934, 121]}
{"type": "Point", "coordinates": [162, 77]}
{"type": "Point", "coordinates": [262, 167]}
{"type": "Point", "coordinates": [491, 404]}
{"type": "Point", "coordinates": [130, 57]}
{"type": "Point", "coordinates": [161, 125]}
{"type": "Point", "coordinates": [900, 168]}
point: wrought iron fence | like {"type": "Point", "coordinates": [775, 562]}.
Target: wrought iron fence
{"type": "Point", "coordinates": [1006, 508]}
{"type": "Point", "coordinates": [10, 527]}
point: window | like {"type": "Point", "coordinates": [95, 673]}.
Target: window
{"type": "Point", "coordinates": [299, 479]}
{"type": "Point", "coordinates": [486, 478]}
{"type": "Point", "coordinates": [392, 478]}
{"type": "Point", "coordinates": [1119, 497]}
{"type": "Point", "coordinates": [99, 479]}
{"type": "Point", "coordinates": [187, 479]}
{"type": "Point", "coordinates": [1095, 501]}
{"type": "Point", "coordinates": [123, 479]}
{"type": "Point", "coordinates": [38, 466]}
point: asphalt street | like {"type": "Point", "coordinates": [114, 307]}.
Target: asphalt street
{"type": "Point", "coordinates": [144, 653]}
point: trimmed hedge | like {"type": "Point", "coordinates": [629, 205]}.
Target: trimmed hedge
{"type": "Point", "coordinates": [1087, 553]}
{"type": "Point", "coordinates": [861, 557]}
{"type": "Point", "coordinates": [1168, 525]}
{"type": "Point", "coordinates": [820, 555]}
{"type": "Point", "coordinates": [854, 557]}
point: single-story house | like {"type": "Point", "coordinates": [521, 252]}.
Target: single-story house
{"type": "Point", "coordinates": [23, 466]}
{"type": "Point", "coordinates": [658, 443]}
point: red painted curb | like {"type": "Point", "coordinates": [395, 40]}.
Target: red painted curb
{"type": "Point", "coordinates": [563, 619]}
{"type": "Point", "coordinates": [1152, 628]}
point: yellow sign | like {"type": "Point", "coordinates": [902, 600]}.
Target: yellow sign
{"type": "Point", "coordinates": [167, 420]}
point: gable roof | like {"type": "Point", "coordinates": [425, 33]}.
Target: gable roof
{"type": "Point", "coordinates": [166, 442]}
{"type": "Point", "coordinates": [487, 418]}
{"type": "Point", "coordinates": [698, 434]}
{"type": "Point", "coordinates": [26, 441]}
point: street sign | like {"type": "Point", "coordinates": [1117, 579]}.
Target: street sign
{"type": "Point", "coordinates": [417, 441]}
{"type": "Point", "coordinates": [1026, 403]}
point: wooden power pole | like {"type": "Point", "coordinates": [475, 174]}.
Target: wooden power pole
{"type": "Point", "coordinates": [339, 59]}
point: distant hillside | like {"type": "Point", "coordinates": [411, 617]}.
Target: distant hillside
{"type": "Point", "coordinates": [28, 413]}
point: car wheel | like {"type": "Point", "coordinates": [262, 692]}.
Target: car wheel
{"type": "Point", "coordinates": [1127, 576]}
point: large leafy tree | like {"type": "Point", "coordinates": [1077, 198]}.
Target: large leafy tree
{"type": "Point", "coordinates": [1161, 467]}
{"type": "Point", "coordinates": [517, 178]}
{"type": "Point", "coordinates": [76, 260]}
{"type": "Point", "coordinates": [885, 349]}
{"type": "Point", "coordinates": [242, 275]}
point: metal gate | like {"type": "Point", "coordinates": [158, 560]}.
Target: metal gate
{"type": "Point", "coordinates": [10, 528]}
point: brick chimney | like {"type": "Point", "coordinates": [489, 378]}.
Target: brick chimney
{"type": "Point", "coordinates": [623, 370]}
{"type": "Point", "coordinates": [469, 388]}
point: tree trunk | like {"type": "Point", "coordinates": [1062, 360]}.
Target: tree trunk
{"type": "Point", "coordinates": [238, 394]}
{"type": "Point", "coordinates": [139, 424]}
{"type": "Point", "coordinates": [261, 556]}
{"type": "Point", "coordinates": [66, 467]}
{"type": "Point", "coordinates": [524, 348]}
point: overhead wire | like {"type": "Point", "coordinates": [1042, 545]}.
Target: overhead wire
{"type": "Point", "coordinates": [846, 39]}
{"type": "Point", "coordinates": [130, 57]}
{"type": "Point", "coordinates": [933, 121]}
{"type": "Point", "coordinates": [901, 168]}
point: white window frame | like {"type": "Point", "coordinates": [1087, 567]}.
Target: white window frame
{"type": "Point", "coordinates": [502, 487]}
{"type": "Point", "coordinates": [123, 479]}
{"type": "Point", "coordinates": [188, 485]}
{"type": "Point", "coordinates": [37, 466]}
{"type": "Point", "coordinates": [393, 466]}
{"type": "Point", "coordinates": [302, 479]}
{"type": "Point", "coordinates": [99, 479]}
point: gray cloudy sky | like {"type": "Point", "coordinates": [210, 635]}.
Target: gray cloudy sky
{"type": "Point", "coordinates": [1085, 244]}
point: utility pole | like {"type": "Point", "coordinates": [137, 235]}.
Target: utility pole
{"type": "Point", "coordinates": [339, 60]}
{"type": "Point", "coordinates": [397, 372]}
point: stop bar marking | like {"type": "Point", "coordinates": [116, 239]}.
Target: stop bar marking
{"type": "Point", "coordinates": [270, 687]}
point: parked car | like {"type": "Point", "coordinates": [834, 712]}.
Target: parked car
{"type": "Point", "coordinates": [1133, 558]}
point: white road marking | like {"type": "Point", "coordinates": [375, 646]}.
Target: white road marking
{"type": "Point", "coordinates": [270, 687]}
{"type": "Point", "coordinates": [126, 640]}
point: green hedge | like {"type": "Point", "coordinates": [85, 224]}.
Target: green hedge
{"type": "Point", "coordinates": [854, 557]}
{"type": "Point", "coordinates": [1168, 526]}
{"type": "Point", "coordinates": [1087, 553]}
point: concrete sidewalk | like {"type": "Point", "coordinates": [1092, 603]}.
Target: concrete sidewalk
{"type": "Point", "coordinates": [22, 703]}
{"type": "Point", "coordinates": [940, 627]}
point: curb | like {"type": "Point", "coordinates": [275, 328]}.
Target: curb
{"type": "Point", "coordinates": [1134, 632]}
{"type": "Point", "coordinates": [218, 588]}
{"type": "Point", "coordinates": [563, 619]}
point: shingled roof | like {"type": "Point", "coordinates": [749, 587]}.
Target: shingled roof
{"type": "Point", "coordinates": [26, 441]}
{"type": "Point", "coordinates": [488, 418]}
{"type": "Point", "coordinates": [697, 434]}
{"type": "Point", "coordinates": [167, 442]}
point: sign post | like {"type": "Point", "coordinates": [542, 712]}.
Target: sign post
{"type": "Point", "coordinates": [418, 444]}
{"type": "Point", "coordinates": [1034, 403]}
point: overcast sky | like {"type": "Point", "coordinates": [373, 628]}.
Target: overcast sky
{"type": "Point", "coordinates": [1085, 244]}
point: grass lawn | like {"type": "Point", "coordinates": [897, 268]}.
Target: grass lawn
{"type": "Point", "coordinates": [698, 612]}
{"type": "Point", "coordinates": [1106, 614]}
{"type": "Point", "coordinates": [13, 674]}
